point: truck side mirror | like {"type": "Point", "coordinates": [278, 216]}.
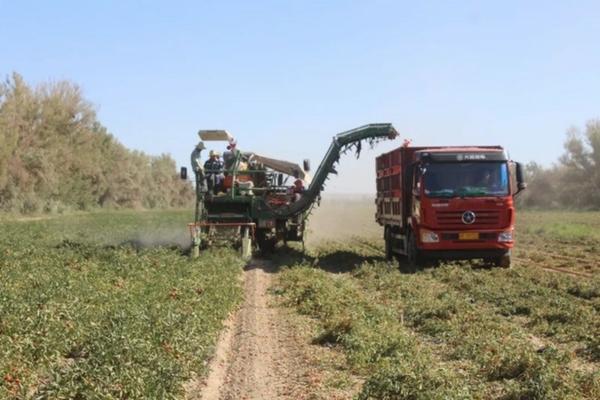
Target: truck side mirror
{"type": "Point", "coordinates": [280, 180]}
{"type": "Point", "coordinates": [306, 165]}
{"type": "Point", "coordinates": [521, 185]}
{"type": "Point", "coordinates": [183, 173]}
{"type": "Point", "coordinates": [419, 171]}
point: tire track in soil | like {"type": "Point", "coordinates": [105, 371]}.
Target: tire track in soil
{"type": "Point", "coordinates": [562, 270]}
{"type": "Point", "coordinates": [258, 356]}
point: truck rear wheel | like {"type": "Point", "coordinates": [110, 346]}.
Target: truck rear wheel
{"type": "Point", "coordinates": [389, 254]}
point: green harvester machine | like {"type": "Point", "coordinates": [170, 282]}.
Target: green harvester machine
{"type": "Point", "coordinates": [259, 202]}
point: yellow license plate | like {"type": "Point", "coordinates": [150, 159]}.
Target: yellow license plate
{"type": "Point", "coordinates": [468, 236]}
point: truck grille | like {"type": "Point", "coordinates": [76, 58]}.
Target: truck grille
{"type": "Point", "coordinates": [483, 218]}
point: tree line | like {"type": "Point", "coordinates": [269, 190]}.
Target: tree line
{"type": "Point", "coordinates": [55, 155]}
{"type": "Point", "coordinates": [573, 182]}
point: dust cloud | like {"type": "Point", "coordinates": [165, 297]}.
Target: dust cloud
{"type": "Point", "coordinates": [161, 238]}
{"type": "Point", "coordinates": [342, 217]}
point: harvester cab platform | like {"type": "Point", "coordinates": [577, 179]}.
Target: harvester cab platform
{"type": "Point", "coordinates": [214, 135]}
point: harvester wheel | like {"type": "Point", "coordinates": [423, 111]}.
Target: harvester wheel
{"type": "Point", "coordinates": [195, 253]}
{"type": "Point", "coordinates": [265, 244]}
{"type": "Point", "coordinates": [246, 244]}
{"type": "Point", "coordinates": [196, 243]}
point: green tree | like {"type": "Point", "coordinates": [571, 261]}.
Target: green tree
{"type": "Point", "coordinates": [541, 189]}
{"type": "Point", "coordinates": [56, 154]}
{"type": "Point", "coordinates": [580, 175]}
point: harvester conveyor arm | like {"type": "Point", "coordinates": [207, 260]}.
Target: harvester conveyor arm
{"type": "Point", "coordinates": [341, 141]}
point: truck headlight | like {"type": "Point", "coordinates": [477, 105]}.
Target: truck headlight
{"type": "Point", "coordinates": [429, 236]}
{"type": "Point", "coordinates": [505, 236]}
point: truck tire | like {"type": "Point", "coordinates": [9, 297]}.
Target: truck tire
{"type": "Point", "coordinates": [412, 261]}
{"type": "Point", "coordinates": [503, 261]}
{"type": "Point", "coordinates": [389, 254]}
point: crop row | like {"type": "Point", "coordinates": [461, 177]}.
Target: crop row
{"type": "Point", "coordinates": [477, 329]}
{"type": "Point", "coordinates": [92, 308]}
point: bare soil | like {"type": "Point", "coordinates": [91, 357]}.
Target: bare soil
{"type": "Point", "coordinates": [259, 354]}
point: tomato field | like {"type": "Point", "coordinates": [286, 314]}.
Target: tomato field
{"type": "Point", "coordinates": [462, 330]}
{"type": "Point", "coordinates": [109, 305]}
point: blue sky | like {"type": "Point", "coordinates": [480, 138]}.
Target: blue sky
{"type": "Point", "coordinates": [284, 76]}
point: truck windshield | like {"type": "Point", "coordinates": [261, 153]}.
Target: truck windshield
{"type": "Point", "coordinates": [465, 179]}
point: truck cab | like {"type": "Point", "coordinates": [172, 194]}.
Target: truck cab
{"type": "Point", "coordinates": [441, 203]}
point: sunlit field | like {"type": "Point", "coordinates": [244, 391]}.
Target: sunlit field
{"type": "Point", "coordinates": [108, 305]}
{"type": "Point", "coordinates": [459, 330]}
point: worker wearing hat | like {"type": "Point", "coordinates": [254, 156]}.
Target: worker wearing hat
{"type": "Point", "coordinates": [213, 169]}
{"type": "Point", "coordinates": [197, 166]}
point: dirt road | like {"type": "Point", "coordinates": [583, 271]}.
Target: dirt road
{"type": "Point", "coordinates": [258, 355]}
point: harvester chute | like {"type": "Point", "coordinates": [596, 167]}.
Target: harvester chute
{"type": "Point", "coordinates": [285, 167]}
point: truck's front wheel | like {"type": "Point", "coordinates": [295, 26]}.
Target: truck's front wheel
{"type": "Point", "coordinates": [412, 261]}
{"type": "Point", "coordinates": [503, 261]}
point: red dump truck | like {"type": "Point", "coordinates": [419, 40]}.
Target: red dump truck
{"type": "Point", "coordinates": [447, 203]}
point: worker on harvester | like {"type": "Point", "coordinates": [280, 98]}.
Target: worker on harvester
{"type": "Point", "coordinates": [298, 187]}
{"type": "Point", "coordinates": [213, 169]}
{"type": "Point", "coordinates": [197, 167]}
